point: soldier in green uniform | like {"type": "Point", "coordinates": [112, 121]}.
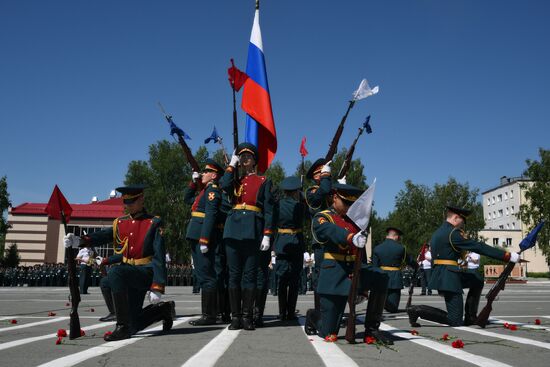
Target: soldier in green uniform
{"type": "Point", "coordinates": [342, 240]}
{"type": "Point", "coordinates": [204, 233]}
{"type": "Point", "coordinates": [447, 244]}
{"type": "Point", "coordinates": [248, 230]}
{"type": "Point", "coordinates": [141, 269]}
{"type": "Point", "coordinates": [317, 198]}
{"type": "Point", "coordinates": [222, 272]}
{"type": "Point", "coordinates": [390, 256]}
{"type": "Point", "coordinates": [288, 216]}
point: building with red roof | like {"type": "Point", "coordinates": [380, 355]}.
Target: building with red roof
{"type": "Point", "coordinates": [39, 239]}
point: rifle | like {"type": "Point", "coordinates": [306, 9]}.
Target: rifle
{"type": "Point", "coordinates": [350, 327]}
{"type": "Point", "coordinates": [528, 242]}
{"type": "Point", "coordinates": [181, 139]}
{"type": "Point", "coordinates": [349, 155]}
{"type": "Point", "coordinates": [334, 143]}
{"type": "Point", "coordinates": [74, 325]}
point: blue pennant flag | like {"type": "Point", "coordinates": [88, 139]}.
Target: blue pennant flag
{"type": "Point", "coordinates": [366, 125]}
{"type": "Point", "coordinates": [530, 240]}
{"type": "Point", "coordinates": [214, 137]}
{"type": "Point", "coordinates": [174, 129]}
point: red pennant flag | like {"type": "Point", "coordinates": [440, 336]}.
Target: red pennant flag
{"type": "Point", "coordinates": [236, 77]}
{"type": "Point", "coordinates": [303, 150]}
{"type": "Point", "coordinates": [57, 204]}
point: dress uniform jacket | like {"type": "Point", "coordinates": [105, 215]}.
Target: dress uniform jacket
{"type": "Point", "coordinates": [447, 245]}
{"type": "Point", "coordinates": [390, 255]}
{"type": "Point", "coordinates": [289, 241]}
{"type": "Point", "coordinates": [206, 219]}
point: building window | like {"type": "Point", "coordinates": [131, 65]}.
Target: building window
{"type": "Point", "coordinates": [506, 195]}
{"type": "Point", "coordinates": [501, 226]}
{"type": "Point", "coordinates": [511, 194]}
{"type": "Point", "coordinates": [494, 215]}
{"type": "Point", "coordinates": [489, 216]}
{"type": "Point", "coordinates": [512, 210]}
{"type": "Point", "coordinates": [507, 211]}
{"type": "Point", "coordinates": [507, 225]}
{"type": "Point", "coordinates": [513, 225]}
{"type": "Point", "coordinates": [500, 213]}
{"type": "Point", "coordinates": [508, 242]}
{"type": "Point", "coordinates": [493, 200]}
{"type": "Point", "coordinates": [495, 241]}
{"type": "Point", "coordinates": [488, 201]}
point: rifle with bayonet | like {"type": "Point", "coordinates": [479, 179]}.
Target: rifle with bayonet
{"type": "Point", "coordinates": [336, 138]}
{"type": "Point", "coordinates": [528, 242]}
{"type": "Point", "coordinates": [349, 155]}
{"type": "Point", "coordinates": [174, 129]}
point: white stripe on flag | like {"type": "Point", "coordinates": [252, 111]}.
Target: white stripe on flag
{"type": "Point", "coordinates": [256, 35]}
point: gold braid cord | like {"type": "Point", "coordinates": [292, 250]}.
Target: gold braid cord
{"type": "Point", "coordinates": [117, 242]}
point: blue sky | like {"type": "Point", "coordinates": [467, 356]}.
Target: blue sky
{"type": "Point", "coordinates": [463, 85]}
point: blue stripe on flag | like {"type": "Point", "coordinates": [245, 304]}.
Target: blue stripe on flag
{"type": "Point", "coordinates": [251, 131]}
{"type": "Point", "coordinates": [255, 66]}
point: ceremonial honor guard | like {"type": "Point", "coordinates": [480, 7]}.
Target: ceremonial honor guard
{"type": "Point", "coordinates": [288, 216]}
{"type": "Point", "coordinates": [141, 258]}
{"type": "Point", "coordinates": [317, 198]}
{"type": "Point", "coordinates": [447, 244]}
{"type": "Point", "coordinates": [248, 229]}
{"type": "Point", "coordinates": [390, 256]}
{"type": "Point", "coordinates": [341, 241]}
{"type": "Point", "coordinates": [204, 234]}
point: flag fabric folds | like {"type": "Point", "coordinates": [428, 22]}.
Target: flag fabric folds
{"type": "Point", "coordinates": [359, 212]}
{"type": "Point", "coordinates": [236, 77]}
{"type": "Point", "coordinates": [58, 204]}
{"type": "Point", "coordinates": [174, 129]}
{"type": "Point", "coordinates": [256, 101]}
{"type": "Point", "coordinates": [364, 91]}
{"type": "Point", "coordinates": [531, 238]}
{"type": "Point", "coordinates": [366, 125]}
{"type": "Point", "coordinates": [214, 137]}
{"type": "Point", "coordinates": [303, 150]}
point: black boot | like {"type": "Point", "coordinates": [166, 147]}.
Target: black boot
{"type": "Point", "coordinates": [316, 301]}
{"type": "Point", "coordinates": [108, 297]}
{"type": "Point", "coordinates": [427, 313]}
{"type": "Point", "coordinates": [282, 297]}
{"type": "Point", "coordinates": [373, 317]}
{"type": "Point", "coordinates": [223, 306]}
{"type": "Point", "coordinates": [162, 311]}
{"type": "Point", "coordinates": [209, 307]}
{"type": "Point", "coordinates": [471, 306]}
{"type": "Point", "coordinates": [236, 310]}
{"type": "Point", "coordinates": [312, 318]}
{"type": "Point", "coordinates": [248, 308]}
{"type": "Point", "coordinates": [260, 299]}
{"type": "Point", "coordinates": [291, 305]}
{"type": "Point", "coordinates": [122, 329]}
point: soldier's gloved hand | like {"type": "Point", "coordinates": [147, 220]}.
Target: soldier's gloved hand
{"type": "Point", "coordinates": [234, 160]}
{"type": "Point", "coordinates": [98, 260]}
{"type": "Point", "coordinates": [70, 240]}
{"type": "Point", "coordinates": [514, 257]}
{"type": "Point", "coordinates": [204, 249]}
{"type": "Point", "coordinates": [265, 244]}
{"type": "Point", "coordinates": [195, 176]}
{"type": "Point", "coordinates": [359, 240]}
{"type": "Point", "coordinates": [326, 168]}
{"type": "Point", "coordinates": [154, 297]}
{"type": "Point", "coordinates": [342, 180]}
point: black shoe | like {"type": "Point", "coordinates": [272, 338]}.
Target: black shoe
{"type": "Point", "coordinates": [109, 317]}
{"type": "Point", "coordinates": [204, 320]}
{"type": "Point", "coordinates": [378, 335]}
{"type": "Point", "coordinates": [248, 324]}
{"type": "Point", "coordinates": [310, 326]}
{"type": "Point", "coordinates": [282, 317]}
{"type": "Point", "coordinates": [121, 332]}
{"type": "Point", "coordinates": [236, 324]}
{"type": "Point", "coordinates": [168, 315]}
{"type": "Point", "coordinates": [413, 316]}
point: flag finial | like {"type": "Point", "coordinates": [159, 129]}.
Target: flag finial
{"type": "Point", "coordinates": [257, 4]}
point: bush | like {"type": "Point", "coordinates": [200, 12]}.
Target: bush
{"type": "Point", "coordinates": [538, 275]}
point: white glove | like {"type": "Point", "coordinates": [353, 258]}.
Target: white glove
{"type": "Point", "coordinates": [195, 176]}
{"type": "Point", "coordinates": [342, 180]}
{"type": "Point", "coordinates": [265, 244]}
{"type": "Point", "coordinates": [70, 240]}
{"type": "Point", "coordinates": [98, 260]}
{"type": "Point", "coordinates": [514, 257]}
{"type": "Point", "coordinates": [234, 160]}
{"type": "Point", "coordinates": [359, 240]}
{"type": "Point", "coordinates": [326, 168]}
{"type": "Point", "coordinates": [204, 249]}
{"type": "Point", "coordinates": [154, 297]}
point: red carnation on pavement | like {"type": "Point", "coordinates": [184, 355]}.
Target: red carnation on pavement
{"type": "Point", "coordinates": [537, 321]}
{"type": "Point", "coordinates": [506, 325]}
{"type": "Point", "coordinates": [61, 333]}
{"type": "Point", "coordinates": [13, 321]}
{"type": "Point", "coordinates": [513, 327]}
{"type": "Point", "coordinates": [58, 341]}
{"type": "Point", "coordinates": [51, 313]}
{"type": "Point", "coordinates": [92, 310]}
{"type": "Point", "coordinates": [414, 332]}
{"type": "Point", "coordinates": [445, 337]}
{"type": "Point", "coordinates": [370, 340]}
{"type": "Point", "coordinates": [82, 333]}
{"type": "Point", "coordinates": [67, 304]}
{"type": "Point", "coordinates": [107, 333]}
{"type": "Point", "coordinates": [458, 344]}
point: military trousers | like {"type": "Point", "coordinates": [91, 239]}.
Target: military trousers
{"type": "Point", "coordinates": [392, 300]}
{"type": "Point", "coordinates": [264, 258]}
{"type": "Point", "coordinates": [85, 278]}
{"type": "Point", "coordinates": [454, 301]}
{"type": "Point", "coordinates": [205, 265]}
{"type": "Point", "coordinates": [242, 263]}
{"type": "Point", "coordinates": [332, 311]}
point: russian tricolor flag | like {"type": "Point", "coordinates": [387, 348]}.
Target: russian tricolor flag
{"type": "Point", "coordinates": [256, 102]}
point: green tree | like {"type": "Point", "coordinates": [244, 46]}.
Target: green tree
{"type": "Point", "coordinates": [537, 195]}
{"type": "Point", "coordinates": [276, 173]}
{"type": "Point", "coordinates": [4, 205]}
{"type": "Point", "coordinates": [12, 258]}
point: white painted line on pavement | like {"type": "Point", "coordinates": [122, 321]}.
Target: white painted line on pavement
{"type": "Point", "coordinates": [211, 352]}
{"type": "Point", "coordinates": [330, 353]}
{"type": "Point", "coordinates": [512, 338]}
{"type": "Point", "coordinates": [57, 319]}
{"type": "Point", "coordinates": [443, 348]}
{"type": "Point", "coordinates": [19, 342]}
{"type": "Point", "coordinates": [107, 347]}
{"type": "Point", "coordinates": [495, 321]}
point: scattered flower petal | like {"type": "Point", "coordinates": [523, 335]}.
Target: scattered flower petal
{"type": "Point", "coordinates": [92, 310]}
{"type": "Point", "coordinates": [506, 325]}
{"type": "Point", "coordinates": [61, 333]}
{"type": "Point", "coordinates": [513, 327]}
{"type": "Point", "coordinates": [445, 337]}
{"type": "Point", "coordinates": [370, 340]}
{"type": "Point", "coordinates": [13, 321]}
{"type": "Point", "coordinates": [51, 313]}
{"type": "Point", "coordinates": [59, 341]}
{"type": "Point", "coordinates": [82, 333]}
{"type": "Point", "coordinates": [67, 304]}
{"type": "Point", "coordinates": [107, 333]}
{"type": "Point", "coordinates": [458, 344]}
{"type": "Point", "coordinates": [414, 332]}
{"type": "Point", "coordinates": [537, 321]}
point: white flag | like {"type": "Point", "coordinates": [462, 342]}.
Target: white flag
{"type": "Point", "coordinates": [359, 212]}
{"type": "Point", "coordinates": [364, 91]}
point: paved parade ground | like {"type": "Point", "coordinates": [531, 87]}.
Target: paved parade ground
{"type": "Point", "coordinates": [31, 341]}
